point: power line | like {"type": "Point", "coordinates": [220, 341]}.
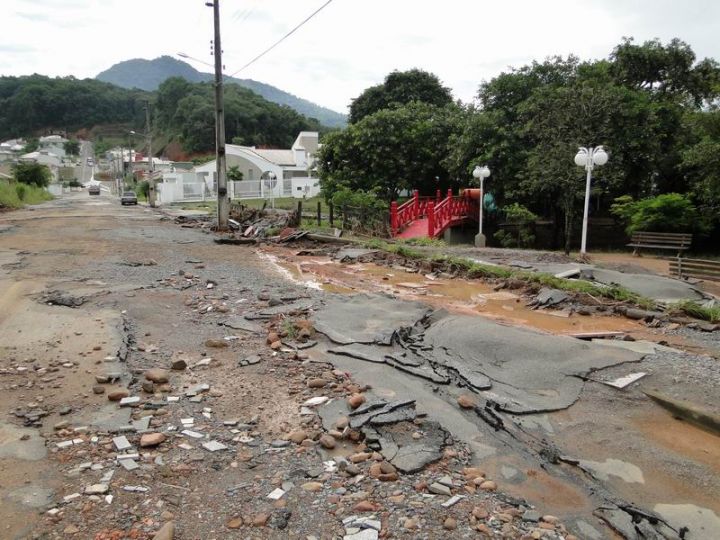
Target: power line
{"type": "Point", "coordinates": [279, 41]}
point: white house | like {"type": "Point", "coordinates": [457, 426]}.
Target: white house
{"type": "Point", "coordinates": [54, 144]}
{"type": "Point", "coordinates": [292, 169]}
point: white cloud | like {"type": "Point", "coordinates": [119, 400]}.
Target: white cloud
{"type": "Point", "coordinates": [348, 46]}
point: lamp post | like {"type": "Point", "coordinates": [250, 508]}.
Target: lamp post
{"type": "Point", "coordinates": [481, 173]}
{"type": "Point", "coordinates": [589, 157]}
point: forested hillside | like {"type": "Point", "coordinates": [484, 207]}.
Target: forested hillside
{"type": "Point", "coordinates": [150, 74]}
{"type": "Point", "coordinates": [181, 111]}
{"type": "Point", "coordinates": [36, 102]}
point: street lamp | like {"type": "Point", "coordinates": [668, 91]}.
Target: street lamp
{"type": "Point", "coordinates": [589, 158]}
{"type": "Point", "coordinates": [481, 173]}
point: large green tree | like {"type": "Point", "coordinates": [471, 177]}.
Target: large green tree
{"type": "Point", "coordinates": [33, 174]}
{"type": "Point", "coordinates": [400, 88]}
{"type": "Point", "coordinates": [390, 151]}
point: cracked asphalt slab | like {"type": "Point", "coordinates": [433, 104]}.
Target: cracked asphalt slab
{"type": "Point", "coordinates": [519, 371]}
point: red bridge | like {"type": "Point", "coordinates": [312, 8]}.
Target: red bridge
{"type": "Point", "coordinates": [432, 216]}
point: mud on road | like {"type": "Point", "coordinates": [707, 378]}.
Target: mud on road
{"type": "Point", "coordinates": [238, 420]}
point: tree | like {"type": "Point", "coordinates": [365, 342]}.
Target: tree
{"type": "Point", "coordinates": [33, 174]}
{"type": "Point", "coordinates": [400, 88]}
{"type": "Point", "coordinates": [234, 174]}
{"type": "Point", "coordinates": [670, 212]}
{"type": "Point", "coordinates": [31, 145]}
{"type": "Point", "coordinates": [389, 151]}
{"type": "Point", "coordinates": [72, 148]}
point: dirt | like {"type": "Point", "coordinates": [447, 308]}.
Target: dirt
{"type": "Point", "coordinates": [176, 298]}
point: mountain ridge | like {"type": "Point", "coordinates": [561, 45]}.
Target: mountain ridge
{"type": "Point", "coordinates": [149, 74]}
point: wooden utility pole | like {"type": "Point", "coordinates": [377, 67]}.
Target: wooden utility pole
{"type": "Point", "coordinates": [151, 180]}
{"type": "Point", "coordinates": [223, 204]}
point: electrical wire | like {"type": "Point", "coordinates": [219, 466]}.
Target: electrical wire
{"type": "Point", "coordinates": [279, 41]}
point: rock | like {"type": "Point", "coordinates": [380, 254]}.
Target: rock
{"type": "Point", "coordinates": [275, 345]}
{"type": "Point", "coordinates": [342, 422]}
{"type": "Point", "coordinates": [352, 470]}
{"type": "Point", "coordinates": [96, 489]}
{"type": "Point", "coordinates": [531, 515]}
{"type": "Point", "coordinates": [312, 486]}
{"type": "Point", "coordinates": [450, 524]}
{"type": "Point", "coordinates": [272, 337]}
{"type": "Point", "coordinates": [157, 375]}
{"type": "Point", "coordinates": [359, 457]}
{"type": "Point", "coordinates": [327, 441]}
{"type": "Point", "coordinates": [550, 519]}
{"type": "Point", "coordinates": [148, 386]}
{"type": "Point", "coordinates": [488, 485]}
{"type": "Point", "coordinates": [152, 439]}
{"type": "Point", "coordinates": [234, 523]}
{"type": "Point", "coordinates": [316, 383]}
{"type": "Point", "coordinates": [61, 425]}
{"type": "Point", "coordinates": [97, 389]}
{"type": "Point", "coordinates": [118, 394]}
{"type": "Point", "coordinates": [166, 532]}
{"type": "Point", "coordinates": [466, 401]}
{"type": "Point", "coordinates": [355, 400]}
{"type": "Point", "coordinates": [364, 506]}
{"type": "Point", "coordinates": [178, 365]}
{"type": "Point", "coordinates": [473, 472]}
{"type": "Point", "coordinates": [410, 524]}
{"type": "Point", "coordinates": [480, 513]}
{"type": "Point", "coordinates": [260, 520]}
{"type": "Point", "coordinates": [298, 436]}
{"type": "Point", "coordinates": [216, 343]}
{"type": "Point", "coordinates": [439, 489]}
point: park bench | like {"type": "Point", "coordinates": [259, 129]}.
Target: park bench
{"type": "Point", "coordinates": [678, 242]}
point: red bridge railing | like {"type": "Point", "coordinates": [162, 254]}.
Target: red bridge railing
{"type": "Point", "coordinates": [440, 213]}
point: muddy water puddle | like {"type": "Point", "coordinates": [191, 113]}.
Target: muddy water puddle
{"type": "Point", "coordinates": [457, 295]}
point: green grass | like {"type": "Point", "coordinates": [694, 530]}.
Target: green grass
{"type": "Point", "coordinates": [14, 195]}
{"type": "Point", "coordinates": [475, 270]}
{"type": "Point", "coordinates": [693, 309]}
{"type": "Point", "coordinates": [423, 241]}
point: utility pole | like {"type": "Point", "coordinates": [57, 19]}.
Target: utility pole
{"type": "Point", "coordinates": [151, 180]}
{"type": "Point", "coordinates": [223, 204]}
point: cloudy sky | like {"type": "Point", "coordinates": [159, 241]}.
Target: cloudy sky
{"type": "Point", "coordinates": [348, 46]}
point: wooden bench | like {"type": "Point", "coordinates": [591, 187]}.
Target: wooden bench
{"type": "Point", "coordinates": [678, 242]}
{"type": "Point", "coordinates": [695, 268]}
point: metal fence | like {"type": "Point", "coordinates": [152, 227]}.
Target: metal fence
{"type": "Point", "coordinates": [196, 191]}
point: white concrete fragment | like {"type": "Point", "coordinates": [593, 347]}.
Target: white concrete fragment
{"type": "Point", "coordinates": [213, 446]}
{"type": "Point", "coordinates": [121, 443]}
{"type": "Point", "coordinates": [276, 494]}
{"type": "Point", "coordinates": [193, 434]}
{"type": "Point", "coordinates": [452, 501]}
{"type": "Point", "coordinates": [315, 401]}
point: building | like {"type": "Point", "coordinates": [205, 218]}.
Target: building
{"type": "Point", "coordinates": [54, 144]}
{"type": "Point", "coordinates": [265, 173]}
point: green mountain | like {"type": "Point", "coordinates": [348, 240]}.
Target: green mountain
{"type": "Point", "coordinates": [149, 74]}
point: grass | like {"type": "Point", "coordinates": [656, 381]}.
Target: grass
{"type": "Point", "coordinates": [423, 241]}
{"type": "Point", "coordinates": [478, 270]}
{"type": "Point", "coordinates": [695, 310]}
{"type": "Point", "coordinates": [14, 195]}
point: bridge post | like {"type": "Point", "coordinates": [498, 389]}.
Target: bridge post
{"type": "Point", "coordinates": [393, 217]}
{"type": "Point", "coordinates": [416, 204]}
{"type": "Point", "coordinates": [431, 219]}
{"type": "Point", "coordinates": [449, 194]}
{"type": "Point", "coordinates": [438, 196]}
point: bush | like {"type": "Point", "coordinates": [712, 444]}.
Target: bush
{"type": "Point", "coordinates": [671, 212]}
{"type": "Point", "coordinates": [521, 234]}
{"type": "Point", "coordinates": [33, 174]}
{"type": "Point", "coordinates": [143, 189]}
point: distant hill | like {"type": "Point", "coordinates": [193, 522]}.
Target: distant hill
{"type": "Point", "coordinates": [149, 74]}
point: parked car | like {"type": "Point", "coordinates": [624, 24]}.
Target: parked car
{"type": "Point", "coordinates": [128, 197]}
{"type": "Point", "coordinates": [94, 190]}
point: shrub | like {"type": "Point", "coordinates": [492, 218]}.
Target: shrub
{"type": "Point", "coordinates": [523, 221]}
{"type": "Point", "coordinates": [33, 174]}
{"type": "Point", "coordinates": [671, 212]}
